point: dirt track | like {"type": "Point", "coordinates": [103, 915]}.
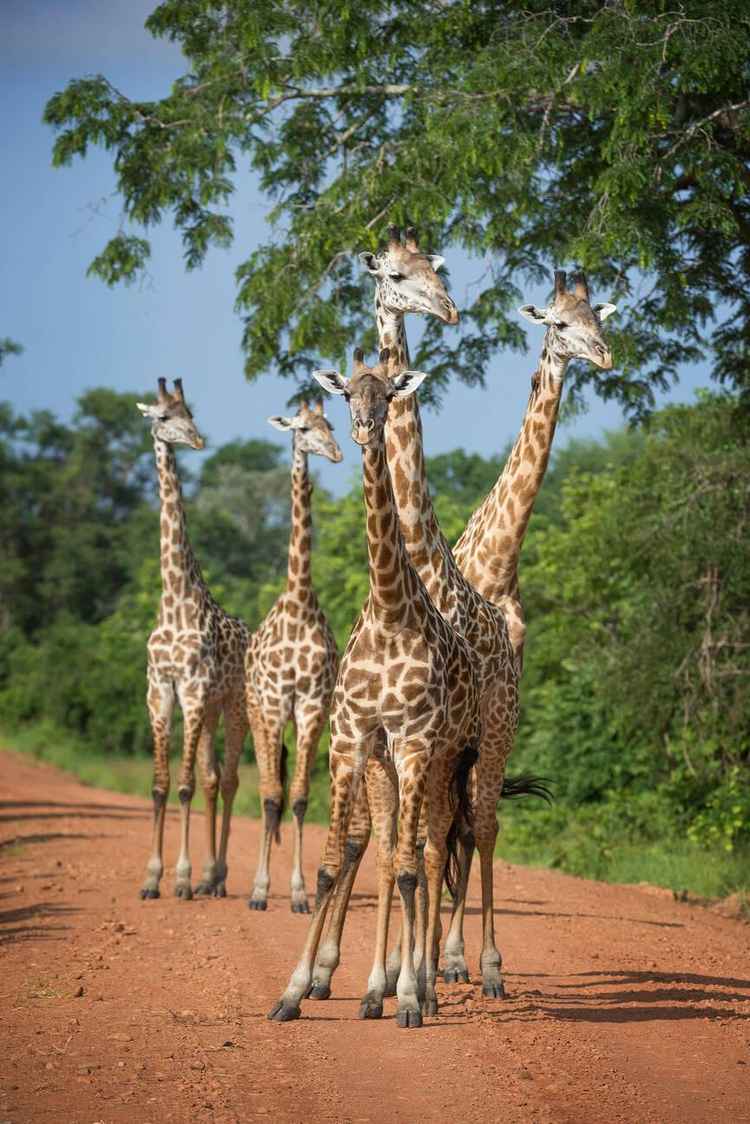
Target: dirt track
{"type": "Point", "coordinates": [624, 1005]}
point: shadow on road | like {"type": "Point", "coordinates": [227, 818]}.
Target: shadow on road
{"type": "Point", "coordinates": [47, 837]}
{"type": "Point", "coordinates": [685, 997]}
{"type": "Point", "coordinates": [475, 911]}
{"type": "Point", "coordinates": [12, 928]}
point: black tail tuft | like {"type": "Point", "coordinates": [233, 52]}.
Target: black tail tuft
{"type": "Point", "coordinates": [525, 784]}
{"type": "Point", "coordinates": [284, 775]}
{"type": "Point", "coordinates": [463, 815]}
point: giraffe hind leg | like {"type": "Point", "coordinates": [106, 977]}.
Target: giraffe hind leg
{"type": "Point", "coordinates": [210, 773]}
{"type": "Point", "coordinates": [235, 729]}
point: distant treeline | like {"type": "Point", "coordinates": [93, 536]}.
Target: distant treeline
{"type": "Point", "coordinates": [635, 576]}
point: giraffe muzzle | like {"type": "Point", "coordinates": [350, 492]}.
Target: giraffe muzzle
{"type": "Point", "coordinates": [363, 432]}
{"type": "Point", "coordinates": [451, 316]}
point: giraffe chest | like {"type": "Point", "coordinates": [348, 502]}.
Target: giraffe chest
{"type": "Point", "coordinates": [211, 654]}
{"type": "Point", "coordinates": [293, 652]}
{"type": "Point", "coordinates": [399, 684]}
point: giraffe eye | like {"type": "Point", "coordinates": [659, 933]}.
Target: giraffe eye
{"type": "Point", "coordinates": [561, 324]}
{"type": "Point", "coordinates": [396, 276]}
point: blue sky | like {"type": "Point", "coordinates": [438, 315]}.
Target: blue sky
{"type": "Point", "coordinates": [78, 334]}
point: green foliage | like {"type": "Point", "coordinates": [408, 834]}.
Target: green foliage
{"type": "Point", "coordinates": [635, 697]}
{"type": "Point", "coordinates": [636, 694]}
{"type": "Point", "coordinates": [8, 347]}
{"type": "Point", "coordinates": [614, 136]}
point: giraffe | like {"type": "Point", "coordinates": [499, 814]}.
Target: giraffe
{"type": "Point", "coordinates": [196, 656]}
{"type": "Point", "coordinates": [291, 664]}
{"type": "Point", "coordinates": [407, 281]}
{"type": "Point", "coordinates": [408, 695]}
{"type": "Point", "coordinates": [489, 548]}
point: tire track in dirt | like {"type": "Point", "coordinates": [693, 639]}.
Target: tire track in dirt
{"type": "Point", "coordinates": [624, 1005]}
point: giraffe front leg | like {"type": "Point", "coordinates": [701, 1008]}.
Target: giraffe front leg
{"type": "Point", "coordinates": [411, 768]}
{"type": "Point", "coordinates": [193, 709]}
{"type": "Point", "coordinates": [309, 722]}
{"type": "Point", "coordinates": [357, 839]}
{"type": "Point", "coordinates": [347, 765]}
{"type": "Point", "coordinates": [439, 817]}
{"type": "Point", "coordinates": [209, 770]}
{"type": "Point", "coordinates": [383, 795]}
{"type": "Point", "coordinates": [161, 699]}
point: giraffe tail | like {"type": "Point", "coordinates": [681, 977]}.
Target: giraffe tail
{"type": "Point", "coordinates": [284, 776]}
{"type": "Point", "coordinates": [526, 784]}
{"type": "Point", "coordinates": [463, 815]}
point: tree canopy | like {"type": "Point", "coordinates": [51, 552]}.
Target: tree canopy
{"type": "Point", "coordinates": [614, 137]}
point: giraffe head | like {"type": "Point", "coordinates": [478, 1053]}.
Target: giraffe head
{"type": "Point", "coordinates": [171, 420]}
{"type": "Point", "coordinates": [407, 280]}
{"type": "Point", "coordinates": [573, 323]}
{"type": "Point", "coordinates": [369, 392]}
{"type": "Point", "coordinates": [313, 433]}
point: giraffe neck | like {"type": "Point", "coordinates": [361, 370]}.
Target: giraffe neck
{"type": "Point", "coordinates": [424, 540]}
{"type": "Point", "coordinates": [393, 582]}
{"type": "Point", "coordinates": [299, 583]}
{"type": "Point", "coordinates": [488, 550]}
{"type": "Point", "coordinates": [180, 572]}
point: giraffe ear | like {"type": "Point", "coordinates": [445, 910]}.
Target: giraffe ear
{"type": "Point", "coordinates": [331, 381]}
{"type": "Point", "coordinates": [370, 262]}
{"type": "Point", "coordinates": [279, 422]}
{"type": "Point", "coordinates": [604, 310]}
{"type": "Point", "coordinates": [401, 386]}
{"type": "Point", "coordinates": [150, 411]}
{"type": "Point", "coordinates": [534, 314]}
{"type": "Point", "coordinates": [435, 260]}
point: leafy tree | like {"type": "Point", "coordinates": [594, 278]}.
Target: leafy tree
{"type": "Point", "coordinates": [8, 347]}
{"type": "Point", "coordinates": [72, 509]}
{"type": "Point", "coordinates": [240, 518]}
{"type": "Point", "coordinates": [638, 677]}
{"type": "Point", "coordinates": [615, 136]}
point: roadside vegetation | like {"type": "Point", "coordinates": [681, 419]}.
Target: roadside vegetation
{"type": "Point", "coordinates": [636, 696]}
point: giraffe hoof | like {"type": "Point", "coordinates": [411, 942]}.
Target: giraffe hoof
{"type": "Point", "coordinates": [184, 892]}
{"type": "Point", "coordinates": [370, 1009]}
{"type": "Point", "coordinates": [319, 991]}
{"type": "Point", "coordinates": [429, 1007]}
{"type": "Point", "coordinates": [256, 903]}
{"type": "Point", "coordinates": [455, 975]}
{"type": "Point", "coordinates": [148, 895]}
{"type": "Point", "coordinates": [300, 907]}
{"type": "Point", "coordinates": [409, 1019]}
{"type": "Point", "coordinates": [210, 890]}
{"type": "Point", "coordinates": [494, 990]}
{"type": "Point", "coordinates": [283, 1013]}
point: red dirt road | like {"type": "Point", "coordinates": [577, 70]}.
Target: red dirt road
{"type": "Point", "coordinates": [623, 1004]}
